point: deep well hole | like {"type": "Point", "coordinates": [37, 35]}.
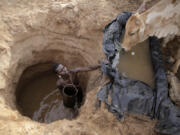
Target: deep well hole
{"type": "Point", "coordinates": [32, 58]}
{"type": "Point", "coordinates": [38, 98]}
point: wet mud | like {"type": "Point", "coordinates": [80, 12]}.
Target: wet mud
{"type": "Point", "coordinates": [40, 99]}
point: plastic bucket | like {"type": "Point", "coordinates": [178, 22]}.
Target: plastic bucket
{"type": "Point", "coordinates": [69, 95]}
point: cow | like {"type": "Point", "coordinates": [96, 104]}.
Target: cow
{"type": "Point", "coordinates": [161, 20]}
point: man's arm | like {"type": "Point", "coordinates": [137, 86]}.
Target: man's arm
{"type": "Point", "coordinates": [85, 69]}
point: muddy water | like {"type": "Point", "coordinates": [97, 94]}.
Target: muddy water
{"type": "Point", "coordinates": [40, 100]}
{"type": "Point", "coordinates": [136, 64]}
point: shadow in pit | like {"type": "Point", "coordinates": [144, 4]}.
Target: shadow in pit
{"type": "Point", "coordinates": [38, 98]}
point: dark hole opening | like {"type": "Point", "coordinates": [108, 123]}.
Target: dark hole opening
{"type": "Point", "coordinates": [38, 97]}
{"type": "Point", "coordinates": [70, 91]}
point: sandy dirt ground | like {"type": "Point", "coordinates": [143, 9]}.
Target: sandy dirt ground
{"type": "Point", "coordinates": [70, 31]}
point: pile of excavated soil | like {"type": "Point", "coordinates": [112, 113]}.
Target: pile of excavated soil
{"type": "Point", "coordinates": [70, 32]}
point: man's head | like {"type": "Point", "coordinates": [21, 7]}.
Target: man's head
{"type": "Point", "coordinates": [60, 69]}
{"type": "Point", "coordinates": [134, 32]}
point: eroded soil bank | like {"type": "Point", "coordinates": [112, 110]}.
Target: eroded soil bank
{"type": "Point", "coordinates": [69, 32]}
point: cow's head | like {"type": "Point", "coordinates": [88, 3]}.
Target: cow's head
{"type": "Point", "coordinates": [134, 32]}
